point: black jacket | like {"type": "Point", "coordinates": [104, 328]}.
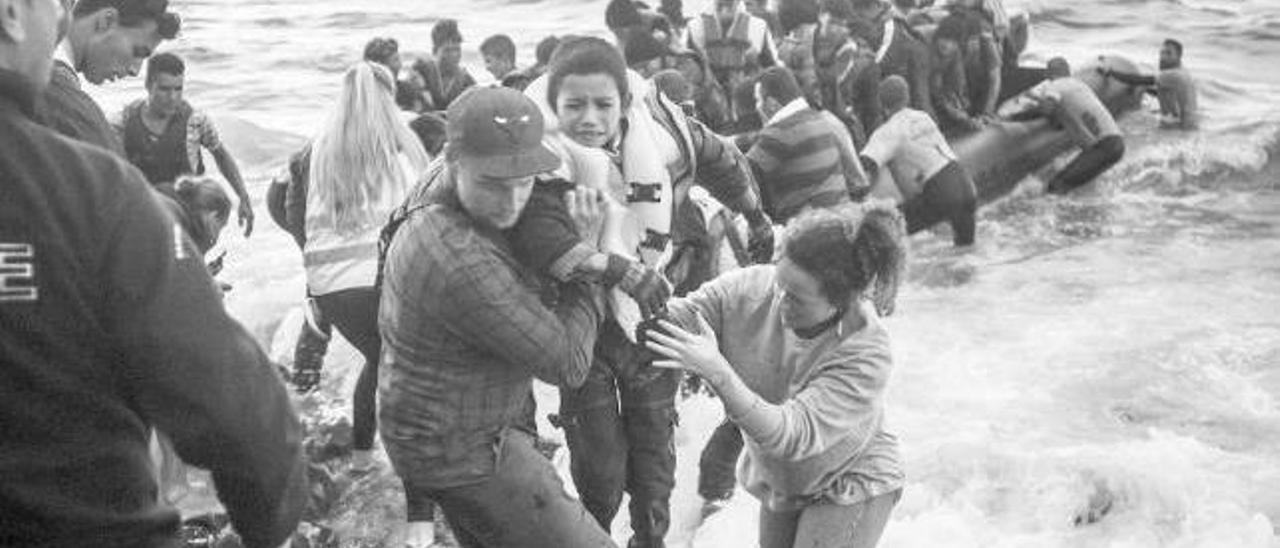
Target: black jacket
{"type": "Point", "coordinates": [109, 326]}
{"type": "Point", "coordinates": [66, 108]}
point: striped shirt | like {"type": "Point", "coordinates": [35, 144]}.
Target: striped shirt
{"type": "Point", "coordinates": [805, 158]}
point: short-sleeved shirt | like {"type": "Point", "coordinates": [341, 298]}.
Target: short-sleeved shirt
{"type": "Point", "coordinates": [910, 143]}
{"type": "Point", "coordinates": [1077, 107]}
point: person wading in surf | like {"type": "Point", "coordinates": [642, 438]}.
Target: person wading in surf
{"type": "Point", "coordinates": [933, 185]}
{"type": "Point", "coordinates": [1072, 104]}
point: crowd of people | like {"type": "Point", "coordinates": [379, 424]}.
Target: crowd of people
{"type": "Point", "coordinates": [692, 197]}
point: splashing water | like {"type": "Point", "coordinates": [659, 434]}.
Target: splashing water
{"type": "Point", "coordinates": [1102, 370]}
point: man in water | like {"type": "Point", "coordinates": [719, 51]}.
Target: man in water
{"type": "Point", "coordinates": [1072, 104]}
{"type": "Point", "coordinates": [107, 40]}
{"type": "Point", "coordinates": [465, 334]}
{"type": "Point", "coordinates": [1173, 86]}
{"type": "Point", "coordinates": [933, 185]}
{"type": "Point", "coordinates": [110, 326]}
{"type": "Point", "coordinates": [164, 135]}
{"type": "Point", "coordinates": [499, 53]}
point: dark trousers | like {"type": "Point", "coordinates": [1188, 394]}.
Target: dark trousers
{"type": "Point", "coordinates": [619, 427]}
{"type": "Point", "coordinates": [1090, 163]}
{"type": "Point", "coordinates": [947, 196]}
{"type": "Point", "coordinates": [717, 467]}
{"type": "Point", "coordinates": [523, 504]}
{"type": "Point", "coordinates": [354, 312]}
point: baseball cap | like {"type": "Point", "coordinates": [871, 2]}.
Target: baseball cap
{"type": "Point", "coordinates": [498, 133]}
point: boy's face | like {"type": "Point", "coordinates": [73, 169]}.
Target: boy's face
{"type": "Point", "coordinates": [498, 66]}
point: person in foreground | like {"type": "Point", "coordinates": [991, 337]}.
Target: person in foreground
{"type": "Point", "coordinates": [800, 359]}
{"type": "Point", "coordinates": [465, 333]}
{"type": "Point", "coordinates": [1072, 104]}
{"type": "Point", "coordinates": [110, 326]}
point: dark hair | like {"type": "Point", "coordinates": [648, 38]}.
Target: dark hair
{"type": "Point", "coordinates": [673, 10]}
{"type": "Point", "coordinates": [444, 32]}
{"type": "Point", "coordinates": [1058, 65]}
{"type": "Point", "coordinates": [586, 55]}
{"type": "Point", "coordinates": [1176, 45]}
{"type": "Point", "coordinates": [500, 46]}
{"type": "Point", "coordinates": [793, 13]}
{"type": "Point", "coordinates": [779, 84]}
{"type": "Point", "coordinates": [431, 130]}
{"type": "Point", "coordinates": [849, 249]}
{"type": "Point", "coordinates": [621, 13]}
{"type": "Point", "coordinates": [196, 195]}
{"type": "Point", "coordinates": [958, 27]}
{"type": "Point", "coordinates": [133, 13]}
{"type": "Point", "coordinates": [545, 48]}
{"type": "Point", "coordinates": [379, 50]}
{"type": "Point", "coordinates": [164, 63]}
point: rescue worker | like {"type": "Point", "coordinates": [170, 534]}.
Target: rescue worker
{"type": "Point", "coordinates": [164, 136]}
{"type": "Point", "coordinates": [1073, 105]}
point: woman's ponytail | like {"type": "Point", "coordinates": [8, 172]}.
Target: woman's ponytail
{"type": "Point", "coordinates": [880, 253]}
{"type": "Point", "coordinates": [853, 249]}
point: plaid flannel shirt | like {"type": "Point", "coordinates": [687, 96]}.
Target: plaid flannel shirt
{"type": "Point", "coordinates": [464, 334]}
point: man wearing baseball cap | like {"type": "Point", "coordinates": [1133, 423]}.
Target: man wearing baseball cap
{"type": "Point", "coordinates": [465, 331]}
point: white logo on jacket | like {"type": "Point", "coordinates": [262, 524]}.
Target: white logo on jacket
{"type": "Point", "coordinates": [17, 273]}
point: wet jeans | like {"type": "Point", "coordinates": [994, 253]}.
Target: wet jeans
{"type": "Point", "coordinates": [717, 468]}
{"type": "Point", "coordinates": [523, 503]}
{"type": "Point", "coordinates": [828, 525]}
{"type": "Point", "coordinates": [619, 427]}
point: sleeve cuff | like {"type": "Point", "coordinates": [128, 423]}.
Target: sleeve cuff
{"type": "Point", "coordinates": [564, 267]}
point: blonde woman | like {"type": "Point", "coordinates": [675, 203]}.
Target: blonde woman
{"type": "Point", "coordinates": [361, 163]}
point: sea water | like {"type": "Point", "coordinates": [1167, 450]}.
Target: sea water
{"type": "Point", "coordinates": [1102, 370]}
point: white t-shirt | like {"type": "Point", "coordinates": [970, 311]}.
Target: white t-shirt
{"type": "Point", "coordinates": [910, 144]}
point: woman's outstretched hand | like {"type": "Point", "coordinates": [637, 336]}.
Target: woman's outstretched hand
{"type": "Point", "coordinates": [697, 353]}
